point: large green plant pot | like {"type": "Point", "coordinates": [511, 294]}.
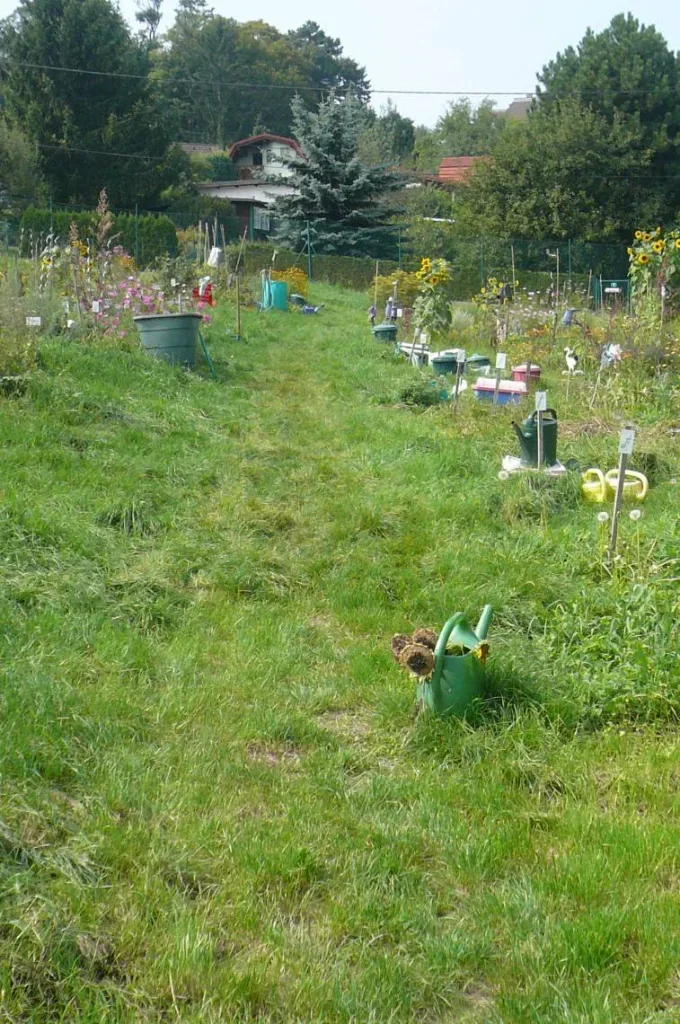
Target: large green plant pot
{"type": "Point", "coordinates": [172, 337]}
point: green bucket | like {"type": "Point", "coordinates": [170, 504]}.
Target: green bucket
{"type": "Point", "coordinates": [280, 295]}
{"type": "Point", "coordinates": [172, 337]}
{"type": "Point", "coordinates": [385, 332]}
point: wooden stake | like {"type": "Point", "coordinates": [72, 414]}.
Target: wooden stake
{"type": "Point", "coordinates": [500, 366]}
{"type": "Point", "coordinates": [514, 279]}
{"type": "Point", "coordinates": [238, 307]}
{"type": "Point", "coordinates": [460, 363]}
{"type": "Point", "coordinates": [375, 289]}
{"type": "Point", "coordinates": [626, 442]}
{"type": "Point", "coordinates": [541, 405]}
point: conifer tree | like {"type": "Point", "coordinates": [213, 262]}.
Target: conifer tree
{"type": "Point", "coordinates": [342, 201]}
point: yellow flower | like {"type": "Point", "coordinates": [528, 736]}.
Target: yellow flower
{"type": "Point", "coordinates": [638, 235]}
{"type": "Point", "coordinates": [677, 243]}
{"type": "Point", "coordinates": [643, 258]}
{"type": "Point", "coordinates": [629, 251]}
{"type": "Point", "coordinates": [658, 246]}
{"type": "Point", "coordinates": [658, 231]}
{"type": "Point", "coordinates": [483, 291]}
{"type": "Point", "coordinates": [646, 238]}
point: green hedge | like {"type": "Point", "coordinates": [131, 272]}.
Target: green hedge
{"type": "Point", "coordinates": [155, 235]}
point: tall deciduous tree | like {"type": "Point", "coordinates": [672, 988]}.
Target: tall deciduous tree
{"type": "Point", "coordinates": [102, 128]}
{"type": "Point", "coordinates": [342, 201]}
{"type": "Point", "coordinates": [564, 173]}
{"type": "Point", "coordinates": [628, 73]}
{"type": "Point", "coordinates": [387, 137]}
{"type": "Point", "coordinates": [330, 68]}
{"type": "Point", "coordinates": [20, 178]}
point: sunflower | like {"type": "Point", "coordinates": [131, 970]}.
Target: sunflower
{"type": "Point", "coordinates": [629, 251]}
{"type": "Point", "coordinates": [644, 258]}
{"type": "Point", "coordinates": [677, 243]}
{"type": "Point", "coordinates": [483, 290]}
{"type": "Point", "coordinates": [658, 231]}
{"type": "Point", "coordinates": [647, 238]}
{"type": "Point", "coordinates": [659, 246]}
{"type": "Point", "coordinates": [638, 235]}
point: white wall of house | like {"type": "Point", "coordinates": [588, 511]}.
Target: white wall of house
{"type": "Point", "coordinates": [276, 158]}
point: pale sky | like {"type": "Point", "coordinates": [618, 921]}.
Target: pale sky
{"type": "Point", "coordinates": [488, 48]}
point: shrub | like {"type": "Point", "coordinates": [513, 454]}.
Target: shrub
{"type": "Point", "coordinates": [156, 235]}
{"type": "Point", "coordinates": [407, 287]}
{"type": "Point", "coordinates": [295, 278]}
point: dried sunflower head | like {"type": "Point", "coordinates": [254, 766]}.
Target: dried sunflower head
{"type": "Point", "coordinates": [399, 642]}
{"type": "Point", "coordinates": [418, 659]}
{"type": "Point", "coordinates": [427, 637]}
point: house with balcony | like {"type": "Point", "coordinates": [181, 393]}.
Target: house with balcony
{"type": "Point", "coordinates": [264, 174]}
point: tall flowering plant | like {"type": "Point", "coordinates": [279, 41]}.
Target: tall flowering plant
{"type": "Point", "coordinates": [431, 312]}
{"type": "Point", "coordinates": [654, 263]}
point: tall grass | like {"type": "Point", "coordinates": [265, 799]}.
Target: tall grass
{"type": "Point", "coordinates": [217, 804]}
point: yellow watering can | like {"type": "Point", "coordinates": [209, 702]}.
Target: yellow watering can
{"type": "Point", "coordinates": [635, 485]}
{"type": "Point", "coordinates": [594, 485]}
{"type": "Point", "coordinates": [598, 486]}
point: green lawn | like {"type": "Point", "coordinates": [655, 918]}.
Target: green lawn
{"type": "Point", "coordinates": [216, 801]}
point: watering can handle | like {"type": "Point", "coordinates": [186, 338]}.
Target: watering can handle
{"type": "Point", "coordinates": [440, 649]}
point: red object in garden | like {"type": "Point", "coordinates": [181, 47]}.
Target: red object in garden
{"type": "Point", "coordinates": [520, 372]}
{"type": "Point", "coordinates": [207, 295]}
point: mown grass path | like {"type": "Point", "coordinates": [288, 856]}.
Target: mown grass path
{"type": "Point", "coordinates": [216, 803]}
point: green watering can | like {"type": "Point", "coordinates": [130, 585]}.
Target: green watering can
{"type": "Point", "coordinates": [457, 679]}
{"type": "Point", "coordinates": [527, 434]}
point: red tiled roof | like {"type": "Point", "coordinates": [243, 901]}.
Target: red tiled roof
{"type": "Point", "coordinates": [265, 137]}
{"type": "Point", "coordinates": [455, 170]}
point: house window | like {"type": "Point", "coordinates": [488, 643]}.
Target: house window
{"type": "Point", "coordinates": [257, 158]}
{"type": "Point", "coordinates": [261, 219]}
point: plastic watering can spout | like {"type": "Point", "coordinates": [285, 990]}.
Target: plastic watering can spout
{"type": "Point", "coordinates": [484, 622]}
{"type": "Point", "coordinates": [520, 435]}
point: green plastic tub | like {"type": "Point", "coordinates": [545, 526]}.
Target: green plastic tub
{"type": "Point", "coordinates": [280, 295]}
{"type": "Point", "coordinates": [385, 332]}
{"type": "Point", "coordinates": [172, 337]}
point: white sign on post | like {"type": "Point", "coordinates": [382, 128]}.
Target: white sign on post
{"type": "Point", "coordinates": [400, 313]}
{"type": "Point", "coordinates": [460, 358]}
{"type": "Point", "coordinates": [626, 441]}
{"type": "Point", "coordinates": [95, 305]}
{"type": "Point", "coordinates": [501, 359]}
{"type": "Point", "coordinates": [34, 321]}
{"type": "Point", "coordinates": [541, 401]}
{"type": "Point", "coordinates": [67, 306]}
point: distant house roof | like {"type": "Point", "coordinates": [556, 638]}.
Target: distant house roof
{"type": "Point", "coordinates": [518, 109]}
{"type": "Point", "coordinates": [455, 170]}
{"type": "Point", "coordinates": [265, 137]}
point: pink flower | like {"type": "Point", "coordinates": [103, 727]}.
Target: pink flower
{"type": "Point", "coordinates": [206, 318]}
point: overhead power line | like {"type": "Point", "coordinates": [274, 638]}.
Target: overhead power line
{"type": "Point", "coordinates": [517, 93]}
{"type": "Point", "coordinates": [261, 85]}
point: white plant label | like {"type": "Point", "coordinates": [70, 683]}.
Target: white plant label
{"type": "Point", "coordinates": [400, 313]}
{"type": "Point", "coordinates": [67, 306]}
{"type": "Point", "coordinates": [95, 306]}
{"type": "Point", "coordinates": [626, 442]}
{"type": "Point", "coordinates": [173, 282]}
{"type": "Point", "coordinates": [461, 355]}
{"type": "Point", "coordinates": [34, 321]}
{"type": "Point", "coordinates": [541, 401]}
{"type": "Point", "coordinates": [501, 360]}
